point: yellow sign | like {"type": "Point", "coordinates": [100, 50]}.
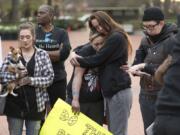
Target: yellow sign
{"type": "Point", "coordinates": [61, 121]}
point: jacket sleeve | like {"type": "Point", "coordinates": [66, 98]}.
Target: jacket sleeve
{"type": "Point", "coordinates": [150, 68]}
{"type": "Point", "coordinates": [169, 44]}
{"type": "Point", "coordinates": [47, 73]}
{"type": "Point", "coordinates": [162, 69]}
{"type": "Point", "coordinates": [111, 44]}
{"type": "Point", "coordinates": [167, 50]}
{"type": "Point", "coordinates": [64, 52]}
{"type": "Point", "coordinates": [140, 54]}
{"type": "Point", "coordinates": [6, 76]}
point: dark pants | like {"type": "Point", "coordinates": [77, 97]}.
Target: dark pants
{"type": "Point", "coordinates": [57, 90]}
{"type": "Point", "coordinates": [147, 106]}
{"type": "Point", "coordinates": [94, 110]}
{"type": "Point", "coordinates": [167, 125]}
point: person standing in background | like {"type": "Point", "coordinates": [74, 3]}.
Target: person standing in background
{"type": "Point", "coordinates": [153, 50]}
{"type": "Point", "coordinates": [29, 106]}
{"type": "Point", "coordinates": [168, 102]}
{"type": "Point", "coordinates": [56, 42]}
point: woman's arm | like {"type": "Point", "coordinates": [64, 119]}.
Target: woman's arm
{"type": "Point", "coordinates": [113, 42]}
{"type": "Point", "coordinates": [140, 54]}
{"type": "Point", "coordinates": [64, 49]}
{"type": "Point", "coordinates": [47, 73]}
{"type": "Point", "coordinates": [76, 86]}
{"type": "Point", "coordinates": [136, 70]}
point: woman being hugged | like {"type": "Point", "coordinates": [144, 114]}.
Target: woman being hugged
{"type": "Point", "coordinates": [30, 104]}
{"type": "Point", "coordinates": [115, 82]}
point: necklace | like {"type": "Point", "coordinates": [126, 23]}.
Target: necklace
{"type": "Point", "coordinates": [28, 55]}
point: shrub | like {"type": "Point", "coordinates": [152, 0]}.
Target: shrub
{"type": "Point", "coordinates": [9, 31]}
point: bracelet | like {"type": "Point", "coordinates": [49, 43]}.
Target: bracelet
{"type": "Point", "coordinates": [75, 93]}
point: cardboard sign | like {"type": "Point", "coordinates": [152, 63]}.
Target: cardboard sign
{"type": "Point", "coordinates": [61, 121]}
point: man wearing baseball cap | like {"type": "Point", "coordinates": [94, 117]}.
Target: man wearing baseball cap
{"type": "Point", "coordinates": [154, 48]}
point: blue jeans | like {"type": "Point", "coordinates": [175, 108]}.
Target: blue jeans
{"type": "Point", "coordinates": [16, 126]}
{"type": "Point", "coordinates": [147, 106]}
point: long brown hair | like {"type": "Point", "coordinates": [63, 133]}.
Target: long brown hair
{"type": "Point", "coordinates": [109, 25]}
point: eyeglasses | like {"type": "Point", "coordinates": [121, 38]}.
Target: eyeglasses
{"type": "Point", "coordinates": [149, 27]}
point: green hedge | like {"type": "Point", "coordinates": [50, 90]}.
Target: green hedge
{"type": "Point", "coordinates": [9, 31]}
{"type": "Point", "coordinates": [72, 23]}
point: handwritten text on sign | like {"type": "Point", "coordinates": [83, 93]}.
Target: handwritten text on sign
{"type": "Point", "coordinates": [61, 121]}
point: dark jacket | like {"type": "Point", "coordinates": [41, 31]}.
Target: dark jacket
{"type": "Point", "coordinates": [153, 51]}
{"type": "Point", "coordinates": [109, 59]}
{"type": "Point", "coordinates": [90, 91]}
{"type": "Point", "coordinates": [168, 102]}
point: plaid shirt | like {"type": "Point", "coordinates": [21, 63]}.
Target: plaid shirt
{"type": "Point", "coordinates": [43, 76]}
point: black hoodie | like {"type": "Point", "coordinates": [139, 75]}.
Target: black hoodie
{"type": "Point", "coordinates": [109, 59]}
{"type": "Point", "coordinates": [168, 102]}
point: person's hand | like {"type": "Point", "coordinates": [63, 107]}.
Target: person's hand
{"type": "Point", "coordinates": [134, 73]}
{"type": "Point", "coordinates": [140, 73]}
{"type": "Point", "coordinates": [73, 59]}
{"type": "Point", "coordinates": [137, 67]}
{"type": "Point", "coordinates": [75, 106]}
{"type": "Point", "coordinates": [24, 81]}
{"type": "Point", "coordinates": [48, 108]}
{"type": "Point", "coordinates": [136, 70]}
{"type": "Point", "coordinates": [22, 73]}
{"type": "Point", "coordinates": [125, 67]}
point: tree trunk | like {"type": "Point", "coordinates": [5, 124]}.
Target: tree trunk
{"type": "Point", "coordinates": [49, 2]}
{"type": "Point", "coordinates": [167, 4]}
{"type": "Point", "coordinates": [14, 13]}
{"type": "Point", "coordinates": [157, 3]}
{"type": "Point", "coordinates": [27, 10]}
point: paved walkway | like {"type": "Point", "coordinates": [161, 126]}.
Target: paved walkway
{"type": "Point", "coordinates": [79, 38]}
